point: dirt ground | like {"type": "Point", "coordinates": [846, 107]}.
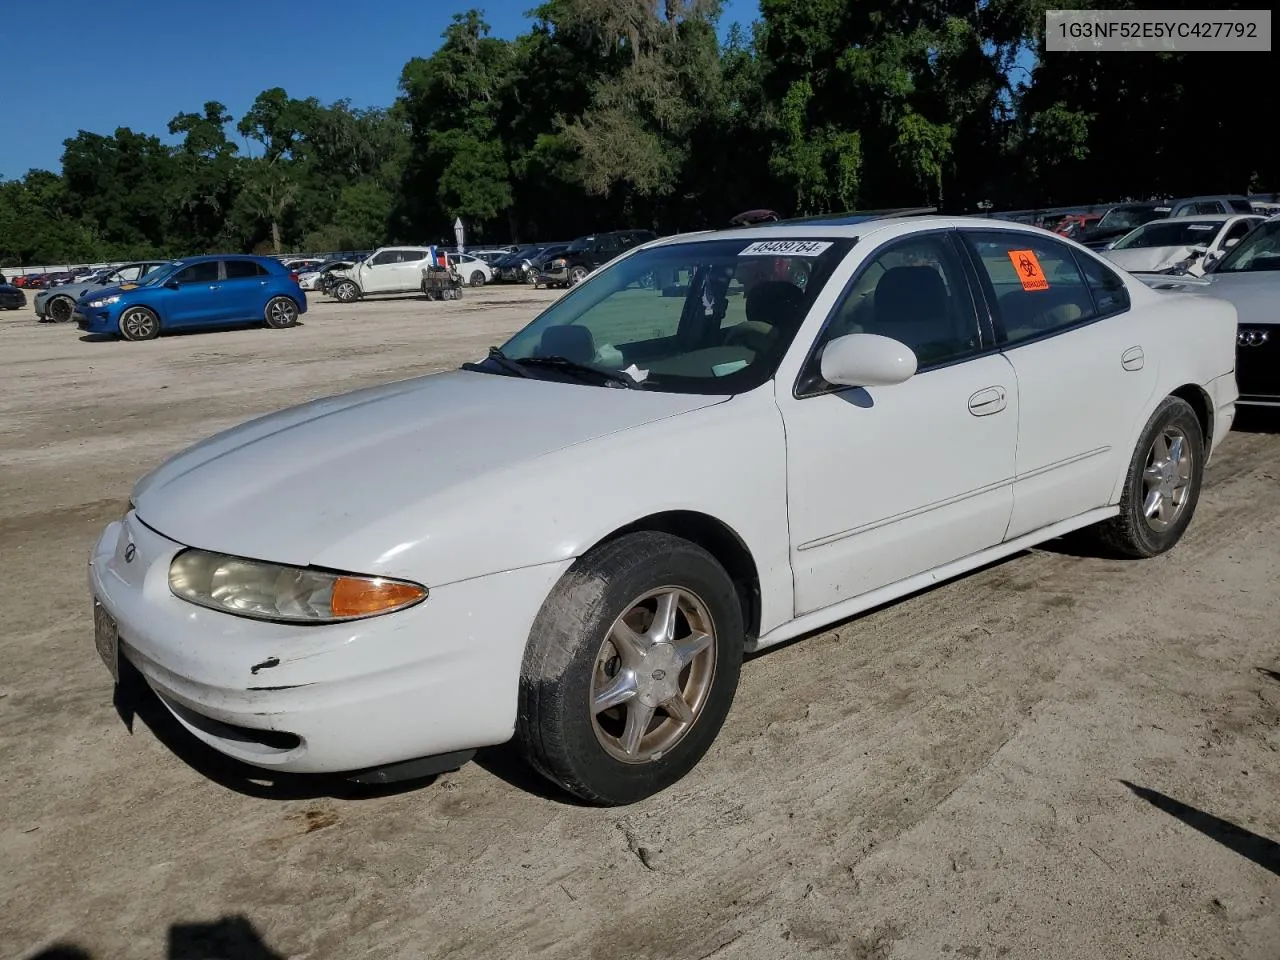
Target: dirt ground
{"type": "Point", "coordinates": [1056, 757]}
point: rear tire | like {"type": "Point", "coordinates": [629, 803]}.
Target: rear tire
{"type": "Point", "coordinates": [281, 312]}
{"type": "Point", "coordinates": [139, 323]}
{"type": "Point", "coordinates": [477, 279]}
{"type": "Point", "coordinates": [1162, 487]}
{"type": "Point", "coordinates": [616, 711]}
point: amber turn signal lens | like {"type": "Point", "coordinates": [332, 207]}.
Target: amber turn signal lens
{"type": "Point", "coordinates": [355, 597]}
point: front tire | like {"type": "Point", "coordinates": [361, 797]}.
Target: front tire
{"type": "Point", "coordinates": [139, 323]}
{"type": "Point", "coordinates": [576, 276]}
{"type": "Point", "coordinates": [630, 669]}
{"type": "Point", "coordinates": [281, 312]}
{"type": "Point", "coordinates": [1162, 487]}
{"type": "Point", "coordinates": [347, 292]}
{"type": "Point", "coordinates": [60, 309]}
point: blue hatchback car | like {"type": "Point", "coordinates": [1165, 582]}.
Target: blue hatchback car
{"type": "Point", "coordinates": [209, 291]}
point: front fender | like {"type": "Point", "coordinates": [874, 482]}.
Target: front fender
{"type": "Point", "coordinates": [727, 461]}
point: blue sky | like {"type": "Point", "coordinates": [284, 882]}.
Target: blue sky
{"type": "Point", "coordinates": [82, 70]}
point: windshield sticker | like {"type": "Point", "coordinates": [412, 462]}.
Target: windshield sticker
{"type": "Point", "coordinates": [723, 369]}
{"type": "Point", "coordinates": [636, 374]}
{"type": "Point", "coordinates": [1030, 273]}
{"type": "Point", "coordinates": [786, 248]}
{"type": "Point", "coordinates": [1202, 226]}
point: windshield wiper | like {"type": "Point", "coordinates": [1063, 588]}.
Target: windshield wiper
{"type": "Point", "coordinates": [503, 361]}
{"type": "Point", "coordinates": [575, 366]}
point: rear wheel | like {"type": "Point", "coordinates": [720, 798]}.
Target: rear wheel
{"type": "Point", "coordinates": [477, 279]}
{"type": "Point", "coordinates": [139, 323]}
{"type": "Point", "coordinates": [631, 667]}
{"type": "Point", "coordinates": [281, 312]}
{"type": "Point", "coordinates": [60, 309]}
{"type": "Point", "coordinates": [1162, 487]}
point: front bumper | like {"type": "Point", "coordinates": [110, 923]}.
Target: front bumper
{"type": "Point", "coordinates": [94, 319]}
{"type": "Point", "coordinates": [553, 276]}
{"type": "Point", "coordinates": [437, 678]}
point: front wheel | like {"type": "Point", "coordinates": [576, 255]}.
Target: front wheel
{"type": "Point", "coordinates": [139, 323]}
{"type": "Point", "coordinates": [1162, 486]}
{"type": "Point", "coordinates": [346, 291]}
{"type": "Point", "coordinates": [577, 275]}
{"type": "Point", "coordinates": [60, 309]}
{"type": "Point", "coordinates": [281, 312]}
{"type": "Point", "coordinates": [630, 669]}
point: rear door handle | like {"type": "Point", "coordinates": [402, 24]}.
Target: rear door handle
{"type": "Point", "coordinates": [1132, 359]}
{"type": "Point", "coordinates": [987, 401]}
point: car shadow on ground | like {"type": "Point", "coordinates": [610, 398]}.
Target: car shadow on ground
{"type": "Point", "coordinates": [135, 701]}
{"type": "Point", "coordinates": [230, 938]}
{"type": "Point", "coordinates": [194, 332]}
{"type": "Point", "coordinates": [1257, 420]}
{"type": "Point", "coordinates": [1265, 853]}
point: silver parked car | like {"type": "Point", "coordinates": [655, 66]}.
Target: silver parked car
{"type": "Point", "coordinates": [58, 303]}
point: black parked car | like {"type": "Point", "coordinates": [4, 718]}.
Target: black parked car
{"type": "Point", "coordinates": [11, 298]}
{"type": "Point", "coordinates": [587, 253]}
{"type": "Point", "coordinates": [1119, 220]}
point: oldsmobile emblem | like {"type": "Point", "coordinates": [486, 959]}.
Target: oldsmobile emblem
{"type": "Point", "coordinates": [130, 552]}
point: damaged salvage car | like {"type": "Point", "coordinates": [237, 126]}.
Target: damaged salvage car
{"type": "Point", "coordinates": [716, 443]}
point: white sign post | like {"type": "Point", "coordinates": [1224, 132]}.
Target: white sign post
{"type": "Point", "coordinates": [459, 233]}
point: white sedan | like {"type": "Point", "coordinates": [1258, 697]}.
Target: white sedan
{"type": "Point", "coordinates": [1180, 244]}
{"type": "Point", "coordinates": [717, 443]}
{"type": "Point", "coordinates": [471, 269]}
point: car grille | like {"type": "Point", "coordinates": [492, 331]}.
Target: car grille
{"type": "Point", "coordinates": [1258, 360]}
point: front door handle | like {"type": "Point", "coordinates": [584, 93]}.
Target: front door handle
{"type": "Point", "coordinates": [1132, 359]}
{"type": "Point", "coordinates": [987, 401]}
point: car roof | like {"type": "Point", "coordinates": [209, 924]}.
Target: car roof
{"type": "Point", "coordinates": [1203, 217]}
{"type": "Point", "coordinates": [842, 227]}
{"type": "Point", "coordinates": [206, 257]}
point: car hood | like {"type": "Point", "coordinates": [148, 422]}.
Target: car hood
{"type": "Point", "coordinates": [287, 486]}
{"type": "Point", "coordinates": [1255, 295]}
{"type": "Point", "coordinates": [1147, 258]}
{"type": "Point", "coordinates": [73, 290]}
{"type": "Point", "coordinates": [95, 292]}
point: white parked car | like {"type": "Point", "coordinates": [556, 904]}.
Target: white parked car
{"type": "Point", "coordinates": [386, 270]}
{"type": "Point", "coordinates": [471, 269]}
{"type": "Point", "coordinates": [574, 540]}
{"type": "Point", "coordinates": [1180, 244]}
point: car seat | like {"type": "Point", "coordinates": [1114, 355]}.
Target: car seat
{"type": "Point", "coordinates": [775, 309]}
{"type": "Point", "coordinates": [571, 341]}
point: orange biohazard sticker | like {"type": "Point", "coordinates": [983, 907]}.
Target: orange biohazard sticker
{"type": "Point", "coordinates": [1030, 273]}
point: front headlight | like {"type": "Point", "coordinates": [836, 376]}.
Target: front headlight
{"type": "Point", "coordinates": [270, 591]}
{"type": "Point", "coordinates": [105, 301]}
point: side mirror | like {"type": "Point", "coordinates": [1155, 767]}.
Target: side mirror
{"type": "Point", "coordinates": [867, 360]}
{"type": "Point", "coordinates": [1228, 244]}
{"type": "Point", "coordinates": [171, 284]}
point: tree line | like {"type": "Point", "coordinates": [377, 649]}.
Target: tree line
{"type": "Point", "coordinates": [609, 113]}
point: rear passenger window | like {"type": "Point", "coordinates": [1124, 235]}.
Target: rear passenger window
{"type": "Point", "coordinates": [1038, 288]}
{"type": "Point", "coordinates": [240, 269]}
{"type": "Point", "coordinates": [1109, 293]}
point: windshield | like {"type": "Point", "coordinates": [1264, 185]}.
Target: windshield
{"type": "Point", "coordinates": [160, 274]}
{"type": "Point", "coordinates": [1171, 233]}
{"type": "Point", "coordinates": [710, 317]}
{"type": "Point", "coordinates": [1258, 251]}
{"type": "Point", "coordinates": [1126, 218]}
{"type": "Point", "coordinates": [582, 243]}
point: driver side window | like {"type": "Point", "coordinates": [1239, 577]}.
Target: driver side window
{"type": "Point", "coordinates": [206, 272]}
{"type": "Point", "coordinates": [913, 291]}
{"type": "Point", "coordinates": [386, 256]}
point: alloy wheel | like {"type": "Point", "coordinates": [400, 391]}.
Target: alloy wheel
{"type": "Point", "coordinates": [1166, 480]}
{"type": "Point", "coordinates": [653, 675]}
